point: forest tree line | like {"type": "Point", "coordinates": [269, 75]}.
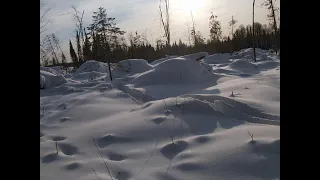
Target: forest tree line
{"type": "Point", "coordinates": [103, 41]}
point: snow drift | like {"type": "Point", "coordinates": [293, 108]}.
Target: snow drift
{"type": "Point", "coordinates": [217, 58]}
{"type": "Point", "coordinates": [92, 66]}
{"type": "Point", "coordinates": [162, 59]}
{"type": "Point", "coordinates": [244, 66]}
{"type": "Point", "coordinates": [172, 120]}
{"type": "Point", "coordinates": [48, 80]}
{"type": "Point", "coordinates": [261, 55]}
{"type": "Point", "coordinates": [53, 70]}
{"type": "Point", "coordinates": [131, 66]}
{"type": "Point", "coordinates": [181, 70]}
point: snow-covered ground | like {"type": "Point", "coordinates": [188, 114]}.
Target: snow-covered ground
{"type": "Point", "coordinates": [175, 119]}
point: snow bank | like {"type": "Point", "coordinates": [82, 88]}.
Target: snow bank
{"type": "Point", "coordinates": [133, 66]}
{"type": "Point", "coordinates": [179, 70]}
{"type": "Point", "coordinates": [195, 56]}
{"type": "Point", "coordinates": [265, 65]}
{"type": "Point", "coordinates": [89, 76]}
{"type": "Point", "coordinates": [217, 58]}
{"type": "Point", "coordinates": [48, 80]}
{"type": "Point", "coordinates": [243, 66]}
{"type": "Point", "coordinates": [51, 70]}
{"type": "Point", "coordinates": [57, 69]}
{"type": "Point", "coordinates": [162, 59]}
{"type": "Point", "coordinates": [199, 132]}
{"type": "Point", "coordinates": [92, 65]}
{"type": "Point", "coordinates": [261, 54]}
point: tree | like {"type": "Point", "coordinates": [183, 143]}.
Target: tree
{"type": "Point", "coordinates": [43, 17]}
{"type": "Point", "coordinates": [272, 17]}
{"type": "Point", "coordinates": [106, 34]}
{"type": "Point", "coordinates": [166, 21]}
{"type": "Point", "coordinates": [51, 48]}
{"type": "Point", "coordinates": [79, 48]}
{"type": "Point", "coordinates": [253, 39]}
{"type": "Point", "coordinates": [77, 17]}
{"type": "Point", "coordinates": [58, 47]}
{"type": "Point", "coordinates": [54, 61]}
{"type": "Point", "coordinates": [87, 53]}
{"type": "Point", "coordinates": [73, 55]}
{"type": "Point", "coordinates": [215, 28]}
{"type": "Point", "coordinates": [193, 31]}
{"type": "Point", "coordinates": [232, 24]}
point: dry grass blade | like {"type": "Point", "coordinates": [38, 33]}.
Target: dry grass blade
{"type": "Point", "coordinates": [102, 159]}
{"type": "Point", "coordinates": [95, 172]}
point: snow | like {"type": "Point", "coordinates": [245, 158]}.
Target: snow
{"type": "Point", "coordinates": [150, 124]}
{"type": "Point", "coordinates": [52, 70]}
{"type": "Point", "coordinates": [217, 58]}
{"type": "Point", "coordinates": [48, 80]}
{"type": "Point", "coordinates": [92, 65]}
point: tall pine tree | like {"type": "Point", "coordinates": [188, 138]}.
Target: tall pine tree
{"type": "Point", "coordinates": [73, 55]}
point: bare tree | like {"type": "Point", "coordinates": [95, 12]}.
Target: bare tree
{"type": "Point", "coordinates": [77, 16]}
{"type": "Point", "coordinates": [50, 47]}
{"type": "Point", "coordinates": [166, 21]}
{"type": "Point", "coordinates": [193, 30]}
{"type": "Point", "coordinates": [253, 40]}
{"type": "Point", "coordinates": [232, 24]}
{"type": "Point", "coordinates": [43, 17]}
{"type": "Point", "coordinates": [272, 17]}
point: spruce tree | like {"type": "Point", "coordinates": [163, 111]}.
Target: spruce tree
{"type": "Point", "coordinates": [73, 55]}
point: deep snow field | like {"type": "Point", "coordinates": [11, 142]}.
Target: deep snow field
{"type": "Point", "coordinates": [173, 119]}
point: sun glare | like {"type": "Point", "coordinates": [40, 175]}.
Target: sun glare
{"type": "Point", "coordinates": [189, 5]}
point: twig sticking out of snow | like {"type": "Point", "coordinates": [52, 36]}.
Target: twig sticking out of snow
{"type": "Point", "coordinates": [251, 135]}
{"type": "Point", "coordinates": [57, 147]}
{"type": "Point", "coordinates": [102, 159]}
{"type": "Point", "coordinates": [182, 106]}
{"type": "Point", "coordinates": [117, 175]}
{"type": "Point", "coordinates": [95, 172]}
{"type": "Point", "coordinates": [42, 109]}
{"type": "Point", "coordinates": [165, 104]}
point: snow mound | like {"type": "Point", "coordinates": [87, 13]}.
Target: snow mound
{"type": "Point", "coordinates": [57, 69]}
{"type": "Point", "coordinates": [92, 65]}
{"type": "Point", "coordinates": [243, 66]}
{"type": "Point", "coordinates": [217, 59]}
{"type": "Point", "coordinates": [162, 59]}
{"type": "Point", "coordinates": [176, 71]}
{"type": "Point", "coordinates": [52, 70]}
{"type": "Point", "coordinates": [134, 66]}
{"type": "Point", "coordinates": [195, 56]}
{"type": "Point", "coordinates": [261, 55]}
{"type": "Point", "coordinates": [90, 76]}
{"type": "Point", "coordinates": [265, 65]}
{"type": "Point", "coordinates": [48, 80]}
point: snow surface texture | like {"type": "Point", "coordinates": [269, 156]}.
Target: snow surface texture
{"type": "Point", "coordinates": [48, 80]}
{"type": "Point", "coordinates": [172, 120]}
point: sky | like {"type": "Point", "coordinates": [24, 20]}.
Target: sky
{"type": "Point", "coordinates": [143, 16]}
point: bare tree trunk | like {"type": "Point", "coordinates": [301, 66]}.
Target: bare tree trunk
{"type": "Point", "coordinates": [232, 27]}
{"type": "Point", "coordinates": [193, 30]}
{"type": "Point", "coordinates": [106, 56]}
{"type": "Point", "coordinates": [78, 17]}
{"type": "Point", "coordinates": [52, 49]}
{"type": "Point", "coordinates": [166, 25]}
{"type": "Point", "coordinates": [253, 39]}
{"type": "Point", "coordinates": [274, 25]}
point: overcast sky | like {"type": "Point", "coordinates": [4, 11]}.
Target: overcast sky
{"type": "Point", "coordinates": [143, 16]}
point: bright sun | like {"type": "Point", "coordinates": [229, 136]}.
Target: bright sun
{"type": "Point", "coordinates": [187, 5]}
